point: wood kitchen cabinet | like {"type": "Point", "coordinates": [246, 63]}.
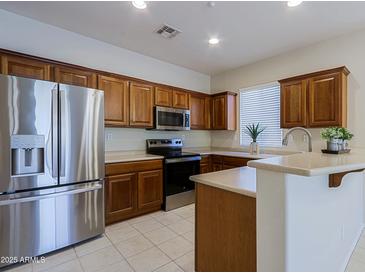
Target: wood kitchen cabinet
{"type": "Point", "coordinates": [132, 189]}
{"type": "Point", "coordinates": [218, 162]}
{"type": "Point", "coordinates": [315, 100]}
{"type": "Point", "coordinates": [293, 104]}
{"type": "Point", "coordinates": [180, 99]}
{"type": "Point", "coordinates": [205, 164]}
{"type": "Point", "coordinates": [327, 100]}
{"type": "Point", "coordinates": [116, 100]}
{"type": "Point", "coordinates": [149, 189]}
{"type": "Point", "coordinates": [73, 76]}
{"type": "Point", "coordinates": [163, 96]}
{"type": "Point", "coordinates": [224, 111]}
{"type": "Point", "coordinates": [121, 196]}
{"type": "Point", "coordinates": [140, 105]}
{"type": "Point", "coordinates": [25, 67]}
{"type": "Point", "coordinates": [199, 111]}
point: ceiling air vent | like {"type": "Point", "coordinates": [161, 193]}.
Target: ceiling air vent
{"type": "Point", "coordinates": [167, 31]}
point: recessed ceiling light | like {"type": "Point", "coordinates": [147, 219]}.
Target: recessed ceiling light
{"type": "Point", "coordinates": [213, 41]}
{"type": "Point", "coordinates": [139, 4]}
{"type": "Point", "coordinates": [294, 3]}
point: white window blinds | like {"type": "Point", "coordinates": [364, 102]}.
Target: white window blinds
{"type": "Point", "coordinates": [261, 105]}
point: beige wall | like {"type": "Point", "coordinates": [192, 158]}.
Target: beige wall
{"type": "Point", "coordinates": [346, 50]}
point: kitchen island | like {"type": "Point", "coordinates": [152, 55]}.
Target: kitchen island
{"type": "Point", "coordinates": [309, 212]}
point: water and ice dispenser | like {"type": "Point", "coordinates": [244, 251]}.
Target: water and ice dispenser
{"type": "Point", "coordinates": [27, 155]}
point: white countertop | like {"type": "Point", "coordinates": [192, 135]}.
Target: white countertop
{"type": "Point", "coordinates": [241, 180]}
{"type": "Point", "coordinates": [128, 156]}
{"type": "Point", "coordinates": [313, 163]}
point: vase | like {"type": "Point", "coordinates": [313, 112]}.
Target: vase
{"type": "Point", "coordinates": [254, 148]}
{"type": "Point", "coordinates": [333, 145]}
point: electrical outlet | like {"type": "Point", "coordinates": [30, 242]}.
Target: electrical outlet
{"type": "Point", "coordinates": [343, 232]}
{"type": "Point", "coordinates": [305, 138]}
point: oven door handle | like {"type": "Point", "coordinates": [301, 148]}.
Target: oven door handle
{"type": "Point", "coordinates": [183, 159]}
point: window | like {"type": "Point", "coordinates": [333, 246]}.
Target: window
{"type": "Point", "coordinates": [261, 104]}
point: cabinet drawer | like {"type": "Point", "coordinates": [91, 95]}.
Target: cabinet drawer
{"type": "Point", "coordinates": [119, 168]}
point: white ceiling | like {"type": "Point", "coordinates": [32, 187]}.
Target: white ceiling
{"type": "Point", "coordinates": [249, 31]}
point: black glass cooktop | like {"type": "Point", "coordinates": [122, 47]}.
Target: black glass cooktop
{"type": "Point", "coordinates": [174, 154]}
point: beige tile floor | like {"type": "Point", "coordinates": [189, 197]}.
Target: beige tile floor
{"type": "Point", "coordinates": [160, 241]}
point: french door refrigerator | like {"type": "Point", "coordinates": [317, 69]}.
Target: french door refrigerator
{"type": "Point", "coordinates": [51, 166]}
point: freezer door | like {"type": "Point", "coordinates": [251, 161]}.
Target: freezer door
{"type": "Point", "coordinates": [37, 222]}
{"type": "Point", "coordinates": [28, 133]}
{"type": "Point", "coordinates": [81, 134]}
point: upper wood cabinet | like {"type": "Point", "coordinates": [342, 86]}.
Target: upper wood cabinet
{"type": "Point", "coordinates": [224, 111]}
{"type": "Point", "coordinates": [163, 97]}
{"type": "Point", "coordinates": [315, 100]}
{"type": "Point", "coordinates": [116, 100]}
{"type": "Point", "coordinates": [293, 104]}
{"type": "Point", "coordinates": [199, 111]}
{"type": "Point", "coordinates": [327, 100]}
{"type": "Point", "coordinates": [77, 77]}
{"type": "Point", "coordinates": [180, 99]}
{"type": "Point", "coordinates": [25, 67]}
{"type": "Point", "coordinates": [141, 105]}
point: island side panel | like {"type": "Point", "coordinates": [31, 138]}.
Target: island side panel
{"type": "Point", "coordinates": [303, 225]}
{"type": "Point", "coordinates": [225, 230]}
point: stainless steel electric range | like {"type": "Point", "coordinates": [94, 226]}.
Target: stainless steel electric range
{"type": "Point", "coordinates": [178, 189]}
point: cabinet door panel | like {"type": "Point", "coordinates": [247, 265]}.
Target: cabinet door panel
{"type": "Point", "coordinates": [197, 112]}
{"type": "Point", "coordinates": [24, 67]}
{"type": "Point", "coordinates": [149, 188]}
{"type": "Point", "coordinates": [219, 112]}
{"type": "Point", "coordinates": [71, 76]}
{"type": "Point", "coordinates": [293, 104]}
{"type": "Point", "coordinates": [141, 105]}
{"type": "Point", "coordinates": [121, 196]}
{"type": "Point", "coordinates": [180, 99]}
{"type": "Point", "coordinates": [324, 101]}
{"type": "Point", "coordinates": [116, 100]}
{"type": "Point", "coordinates": [163, 97]}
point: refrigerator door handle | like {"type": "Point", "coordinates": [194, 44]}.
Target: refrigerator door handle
{"type": "Point", "coordinates": [54, 133]}
{"type": "Point", "coordinates": [62, 133]}
{"type": "Point", "coordinates": [52, 195]}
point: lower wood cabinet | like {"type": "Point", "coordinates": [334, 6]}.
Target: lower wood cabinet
{"type": "Point", "coordinates": [149, 189]}
{"type": "Point", "coordinates": [132, 189]}
{"type": "Point", "coordinates": [205, 164]}
{"type": "Point", "coordinates": [121, 196]}
{"type": "Point", "coordinates": [211, 163]}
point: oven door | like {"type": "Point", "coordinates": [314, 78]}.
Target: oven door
{"type": "Point", "coordinates": [178, 188]}
{"type": "Point", "coordinates": [172, 119]}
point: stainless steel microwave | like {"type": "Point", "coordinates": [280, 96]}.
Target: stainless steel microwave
{"type": "Point", "coordinates": [172, 119]}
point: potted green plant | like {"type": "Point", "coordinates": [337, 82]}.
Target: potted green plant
{"type": "Point", "coordinates": [336, 138]}
{"type": "Point", "coordinates": [254, 130]}
{"type": "Point", "coordinates": [345, 136]}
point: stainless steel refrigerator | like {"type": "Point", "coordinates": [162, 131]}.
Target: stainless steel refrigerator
{"type": "Point", "coordinates": [51, 166]}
